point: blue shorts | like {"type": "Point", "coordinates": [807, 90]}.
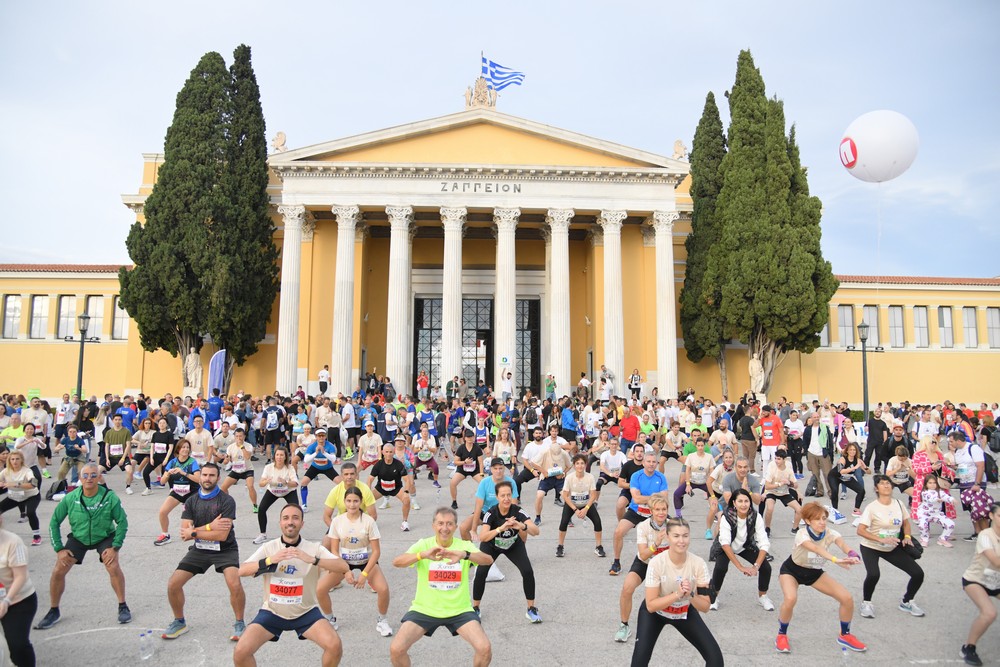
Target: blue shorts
{"type": "Point", "coordinates": [551, 484]}
{"type": "Point", "coordinates": [276, 624]}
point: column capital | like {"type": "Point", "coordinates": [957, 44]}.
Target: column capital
{"type": "Point", "coordinates": [347, 216]}
{"type": "Point", "coordinates": [663, 221]}
{"type": "Point", "coordinates": [611, 221]}
{"type": "Point", "coordinates": [292, 214]}
{"type": "Point", "coordinates": [558, 218]}
{"type": "Point", "coordinates": [596, 236]}
{"type": "Point", "coordinates": [505, 219]}
{"type": "Point", "coordinates": [399, 216]}
{"type": "Point", "coordinates": [308, 227]}
{"type": "Point", "coordinates": [453, 218]}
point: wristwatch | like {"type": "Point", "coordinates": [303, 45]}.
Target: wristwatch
{"type": "Point", "coordinates": [468, 555]}
{"type": "Point", "coordinates": [316, 560]}
{"type": "Point", "coordinates": [194, 534]}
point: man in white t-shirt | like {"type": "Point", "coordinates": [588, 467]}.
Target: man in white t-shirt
{"type": "Point", "coordinates": [531, 458]}
{"type": "Point", "coordinates": [324, 379]}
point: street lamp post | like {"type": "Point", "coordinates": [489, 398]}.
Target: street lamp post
{"type": "Point", "coordinates": [863, 330]}
{"type": "Point", "coordinates": [83, 324]}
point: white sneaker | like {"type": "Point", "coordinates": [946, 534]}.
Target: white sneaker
{"type": "Point", "coordinates": [260, 539]}
{"type": "Point", "coordinates": [765, 602]}
{"type": "Point", "coordinates": [414, 504]}
{"type": "Point", "coordinates": [128, 490]}
{"type": "Point", "coordinates": [837, 517]}
{"type": "Point", "coordinates": [384, 503]}
{"type": "Point", "coordinates": [333, 621]}
{"type": "Point", "coordinates": [843, 495]}
{"type": "Point", "coordinates": [305, 509]}
{"type": "Point", "coordinates": [382, 627]}
{"type": "Point", "coordinates": [867, 610]}
{"type": "Point", "coordinates": [911, 608]}
{"type": "Point", "coordinates": [495, 574]}
{"type": "Point", "coordinates": [714, 606]}
{"type": "Point", "coordinates": [405, 527]}
{"type": "Point", "coordinates": [147, 492]}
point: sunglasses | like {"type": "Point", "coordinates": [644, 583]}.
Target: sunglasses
{"type": "Point", "coordinates": [90, 475]}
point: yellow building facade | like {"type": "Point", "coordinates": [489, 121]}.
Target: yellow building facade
{"type": "Point", "coordinates": [477, 244]}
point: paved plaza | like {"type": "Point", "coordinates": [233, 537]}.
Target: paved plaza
{"type": "Point", "coordinates": [577, 599]}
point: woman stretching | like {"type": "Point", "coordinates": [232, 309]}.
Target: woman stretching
{"type": "Point", "coordinates": [697, 467]}
{"type": "Point", "coordinates": [981, 582]}
{"type": "Point", "coordinates": [22, 492]}
{"type": "Point", "coordinates": [742, 535]}
{"type": "Point", "coordinates": [849, 472]}
{"type": "Point", "coordinates": [163, 448]}
{"type": "Point", "coordinates": [278, 481]}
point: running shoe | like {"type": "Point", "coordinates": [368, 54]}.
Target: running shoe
{"type": "Point", "coordinates": [708, 534]}
{"type": "Point", "coordinates": [382, 627]}
{"type": "Point", "coordinates": [452, 466]}
{"type": "Point", "coordinates": [867, 610]}
{"type": "Point", "coordinates": [781, 643]}
{"type": "Point", "coordinates": [765, 602]}
{"type": "Point", "coordinates": [128, 490]}
{"type": "Point", "coordinates": [333, 621]}
{"type": "Point", "coordinates": [124, 614]}
{"type": "Point", "coordinates": [254, 510]}
{"type": "Point", "coordinates": [479, 613]}
{"type": "Point", "coordinates": [560, 551]}
{"type": "Point", "coordinates": [176, 628]}
{"type": "Point", "coordinates": [454, 504]}
{"type": "Point", "coordinates": [23, 519]}
{"type": "Point", "coordinates": [36, 541]}
{"type": "Point", "coordinates": [260, 539]}
{"type": "Point", "coordinates": [384, 503]}
{"type": "Point", "coordinates": [157, 485]}
{"type": "Point", "coordinates": [799, 476]}
{"type": "Point", "coordinates": [624, 632]}
{"type": "Point", "coordinates": [46, 474]}
{"type": "Point", "coordinates": [795, 530]}
{"type": "Point", "coordinates": [559, 502]}
{"type": "Point", "coordinates": [857, 511]}
{"type": "Point", "coordinates": [971, 538]}
{"type": "Point", "coordinates": [164, 538]}
{"type": "Point", "coordinates": [52, 618]}
{"type": "Point", "coordinates": [616, 568]}
{"type": "Point", "coordinates": [599, 550]}
{"type": "Point", "coordinates": [970, 656]}
{"type": "Point", "coordinates": [851, 642]}
{"type": "Point", "coordinates": [405, 527]}
{"type": "Point", "coordinates": [911, 608]}
{"type": "Point", "coordinates": [837, 517]}
{"type": "Point", "coordinates": [437, 484]}
{"type": "Point", "coordinates": [941, 543]}
{"type": "Point", "coordinates": [430, 475]}
{"type": "Point", "coordinates": [413, 503]}
{"type": "Point", "coordinates": [533, 615]}
{"type": "Point", "coordinates": [714, 606]}
{"type": "Point", "coordinates": [843, 495]}
{"type": "Point", "coordinates": [147, 492]}
{"type": "Point", "coordinates": [238, 628]}
{"type": "Point", "coordinates": [570, 525]}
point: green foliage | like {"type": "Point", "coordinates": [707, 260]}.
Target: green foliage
{"type": "Point", "coordinates": [700, 321]}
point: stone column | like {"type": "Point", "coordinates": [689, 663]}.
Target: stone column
{"type": "Point", "coordinates": [453, 220]}
{"type": "Point", "coordinates": [399, 335]}
{"type": "Point", "coordinates": [342, 353]}
{"type": "Point", "coordinates": [505, 304]}
{"type": "Point", "coordinates": [666, 309]}
{"type": "Point", "coordinates": [614, 319]}
{"type": "Point", "coordinates": [558, 221]}
{"type": "Point", "coordinates": [288, 311]}
{"type": "Point", "coordinates": [546, 332]}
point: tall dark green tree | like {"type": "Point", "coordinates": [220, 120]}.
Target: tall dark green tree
{"type": "Point", "coordinates": [168, 291]}
{"type": "Point", "coordinates": [700, 320]}
{"type": "Point", "coordinates": [244, 278]}
{"type": "Point", "coordinates": [773, 284]}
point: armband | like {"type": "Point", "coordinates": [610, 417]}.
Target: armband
{"type": "Point", "coordinates": [364, 574]}
{"type": "Point", "coordinates": [833, 559]}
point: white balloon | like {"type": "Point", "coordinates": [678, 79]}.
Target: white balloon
{"type": "Point", "coordinates": [879, 146]}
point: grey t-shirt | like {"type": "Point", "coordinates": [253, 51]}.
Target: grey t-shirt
{"type": "Point", "coordinates": [731, 484]}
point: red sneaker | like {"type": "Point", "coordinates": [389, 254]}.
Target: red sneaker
{"type": "Point", "coordinates": [781, 643]}
{"type": "Point", "coordinates": [851, 642]}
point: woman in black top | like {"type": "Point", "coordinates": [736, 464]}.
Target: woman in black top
{"type": "Point", "coordinates": [848, 472]}
{"type": "Point", "coordinates": [162, 450]}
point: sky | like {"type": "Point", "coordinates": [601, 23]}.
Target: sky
{"type": "Point", "coordinates": [86, 88]}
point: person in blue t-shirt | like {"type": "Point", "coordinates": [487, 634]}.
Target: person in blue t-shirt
{"type": "Point", "coordinates": [76, 454]}
{"type": "Point", "coordinates": [486, 497]}
{"type": "Point", "coordinates": [319, 459]}
{"type": "Point", "coordinates": [128, 416]}
{"type": "Point", "coordinates": [213, 412]}
{"type": "Point", "coordinates": [642, 485]}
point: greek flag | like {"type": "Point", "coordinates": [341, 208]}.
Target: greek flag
{"type": "Point", "coordinates": [499, 77]}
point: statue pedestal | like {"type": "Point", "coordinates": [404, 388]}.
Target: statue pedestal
{"type": "Point", "coordinates": [760, 396]}
{"type": "Point", "coordinates": [191, 391]}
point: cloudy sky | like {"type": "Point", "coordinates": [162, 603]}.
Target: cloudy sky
{"type": "Point", "coordinates": [88, 87]}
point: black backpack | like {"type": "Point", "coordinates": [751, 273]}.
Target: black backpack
{"type": "Point", "coordinates": [994, 441]}
{"type": "Point", "coordinates": [531, 416]}
{"type": "Point", "coordinates": [59, 486]}
{"type": "Point", "coordinates": [990, 471]}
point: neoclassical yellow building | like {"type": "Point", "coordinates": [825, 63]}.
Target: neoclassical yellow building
{"type": "Point", "coordinates": [478, 243]}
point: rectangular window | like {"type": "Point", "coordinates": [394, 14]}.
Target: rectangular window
{"type": "Point", "coordinates": [95, 308]}
{"type": "Point", "coordinates": [11, 315]}
{"type": "Point", "coordinates": [845, 325]}
{"type": "Point", "coordinates": [993, 327]}
{"type": "Point", "coordinates": [896, 335]}
{"type": "Point", "coordinates": [971, 326]}
{"type": "Point", "coordinates": [920, 329]}
{"type": "Point", "coordinates": [67, 317]}
{"type": "Point", "coordinates": [945, 328]}
{"type": "Point", "coordinates": [824, 335]}
{"type": "Point", "coordinates": [119, 329]}
{"type": "Point", "coordinates": [39, 316]}
{"type": "Point", "coordinates": [870, 315]}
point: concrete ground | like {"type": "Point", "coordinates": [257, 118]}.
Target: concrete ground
{"type": "Point", "coordinates": [577, 599]}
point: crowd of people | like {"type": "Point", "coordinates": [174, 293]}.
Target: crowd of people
{"type": "Point", "coordinates": [744, 458]}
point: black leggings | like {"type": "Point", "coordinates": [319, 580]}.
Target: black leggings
{"type": "Point", "coordinates": [269, 499]}
{"type": "Point", "coordinates": [516, 554]}
{"type": "Point", "coordinates": [693, 629]}
{"type": "Point", "coordinates": [722, 563]}
{"type": "Point", "coordinates": [29, 506]}
{"type": "Point", "coordinates": [897, 558]}
{"type": "Point", "coordinates": [603, 479]}
{"type": "Point", "coordinates": [154, 461]}
{"type": "Point", "coordinates": [795, 454]}
{"type": "Point", "coordinates": [569, 512]}
{"type": "Point", "coordinates": [16, 626]}
{"type": "Point", "coordinates": [835, 480]}
{"type": "Point", "coordinates": [522, 478]}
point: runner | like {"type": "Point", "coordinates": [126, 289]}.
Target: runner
{"type": "Point", "coordinates": [278, 481]}
{"type": "Point", "coordinates": [611, 463]}
{"type": "Point", "coordinates": [117, 451]}
{"type": "Point", "coordinates": [469, 463]}
{"type": "Point", "coordinates": [96, 521]}
{"type": "Point", "coordinates": [163, 449]}
{"type": "Point", "coordinates": [77, 453]}
{"type": "Point", "coordinates": [181, 476]}
{"type": "Point", "coordinates": [390, 474]}
{"type": "Point", "coordinates": [486, 498]}
{"type": "Point", "coordinates": [505, 449]}
{"type": "Point", "coordinates": [355, 537]}
{"type": "Point", "coordinates": [981, 581]}
{"type": "Point", "coordinates": [291, 568]}
{"type": "Point", "coordinates": [554, 465]}
{"type": "Point", "coordinates": [629, 468]}
{"type": "Point", "coordinates": [319, 458]}
{"type": "Point", "coordinates": [202, 443]}
{"type": "Point", "coordinates": [579, 497]}
{"type": "Point", "coordinates": [676, 591]}
{"type": "Point", "coordinates": [805, 568]}
{"type": "Point", "coordinates": [531, 455]}
{"type": "Point", "coordinates": [272, 420]}
{"type": "Point", "coordinates": [671, 444]}
{"type": "Point", "coordinates": [369, 446]}
{"type": "Point", "coordinates": [442, 596]}
{"type": "Point", "coordinates": [208, 520]}
{"type": "Point", "coordinates": [142, 446]}
{"type": "Point", "coordinates": [21, 486]}
{"type": "Point", "coordinates": [335, 499]}
{"type": "Point", "coordinates": [238, 457]}
{"type": "Point", "coordinates": [642, 485]}
{"type": "Point", "coordinates": [742, 535]}
{"type": "Point", "coordinates": [504, 532]}
{"type": "Point", "coordinates": [651, 539]}
{"type": "Point", "coordinates": [694, 475]}
{"type": "Point", "coordinates": [780, 485]}
{"type": "Point", "coordinates": [424, 447]}
{"type": "Point", "coordinates": [772, 435]}
{"type": "Point", "coordinates": [19, 602]}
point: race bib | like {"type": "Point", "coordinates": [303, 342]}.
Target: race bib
{"type": "Point", "coordinates": [991, 578]}
{"type": "Point", "coordinates": [901, 477]}
{"type": "Point", "coordinates": [677, 612]}
{"type": "Point", "coordinates": [504, 542]}
{"type": "Point", "coordinates": [369, 456]}
{"type": "Point", "coordinates": [387, 484]}
{"type": "Point", "coordinates": [967, 472]}
{"type": "Point", "coordinates": [505, 457]}
{"type": "Point", "coordinates": [698, 476]}
{"type": "Point", "coordinates": [580, 499]}
{"type": "Point", "coordinates": [815, 561]}
{"type": "Point", "coordinates": [469, 466]}
{"type": "Point", "coordinates": [354, 555]}
{"type": "Point", "coordinates": [444, 576]}
{"type": "Point", "coordinates": [160, 447]}
{"type": "Point", "coordinates": [643, 510]}
{"type": "Point", "coordinates": [555, 471]}
{"type": "Point", "coordinates": [181, 488]}
{"type": "Point", "coordinates": [285, 590]}
{"type": "Point", "coordinates": [781, 490]}
{"type": "Point", "coordinates": [116, 450]}
{"type": "Point", "coordinates": [768, 434]}
{"type": "Point", "coordinates": [16, 495]}
{"type": "Point", "coordinates": [239, 465]}
{"type": "Point", "coordinates": [207, 545]}
{"type": "Point", "coordinates": [425, 455]}
{"type": "Point", "coordinates": [198, 455]}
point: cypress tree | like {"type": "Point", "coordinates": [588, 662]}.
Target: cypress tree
{"type": "Point", "coordinates": [700, 320]}
{"type": "Point", "coordinates": [167, 292]}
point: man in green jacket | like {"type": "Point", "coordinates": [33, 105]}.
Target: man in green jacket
{"type": "Point", "coordinates": [97, 521]}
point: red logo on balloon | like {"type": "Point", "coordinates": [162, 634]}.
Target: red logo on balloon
{"type": "Point", "coordinates": [848, 152]}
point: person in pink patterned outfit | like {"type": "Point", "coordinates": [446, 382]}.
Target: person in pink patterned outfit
{"type": "Point", "coordinates": [927, 460]}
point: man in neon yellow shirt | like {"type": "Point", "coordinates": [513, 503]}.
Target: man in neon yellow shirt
{"type": "Point", "coordinates": [335, 499]}
{"type": "Point", "coordinates": [442, 597]}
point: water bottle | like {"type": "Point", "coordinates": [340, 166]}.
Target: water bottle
{"type": "Point", "coordinates": [146, 645]}
{"type": "Point", "coordinates": [845, 656]}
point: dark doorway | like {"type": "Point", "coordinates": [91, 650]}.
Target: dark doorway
{"type": "Point", "coordinates": [477, 341]}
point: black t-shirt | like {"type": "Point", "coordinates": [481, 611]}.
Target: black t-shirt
{"type": "Point", "coordinates": [494, 519]}
{"type": "Point", "coordinates": [629, 468]}
{"type": "Point", "coordinates": [390, 475]}
{"type": "Point", "coordinates": [162, 438]}
{"type": "Point", "coordinates": [877, 431]}
{"type": "Point", "coordinates": [202, 511]}
{"type": "Point", "coordinates": [464, 452]}
{"type": "Point", "coordinates": [746, 428]}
